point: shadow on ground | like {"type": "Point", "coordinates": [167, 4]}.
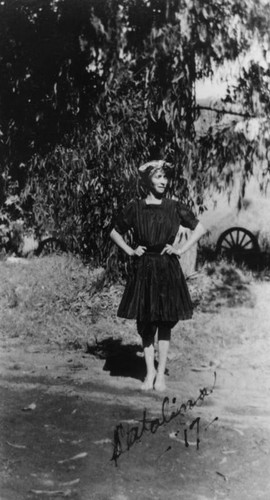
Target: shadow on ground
{"type": "Point", "coordinates": [120, 360]}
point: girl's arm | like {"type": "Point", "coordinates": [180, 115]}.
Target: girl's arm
{"type": "Point", "coordinates": [119, 240]}
{"type": "Point", "coordinates": [198, 232]}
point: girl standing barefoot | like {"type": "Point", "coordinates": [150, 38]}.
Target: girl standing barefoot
{"type": "Point", "coordinates": [156, 294]}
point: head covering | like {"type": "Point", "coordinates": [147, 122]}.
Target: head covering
{"type": "Point", "coordinates": [151, 167]}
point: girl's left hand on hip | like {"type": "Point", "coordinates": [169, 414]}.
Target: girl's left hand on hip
{"type": "Point", "coordinates": [170, 250]}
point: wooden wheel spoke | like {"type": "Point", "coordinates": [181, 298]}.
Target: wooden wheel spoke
{"type": "Point", "coordinates": [249, 242]}
{"type": "Point", "coordinates": [232, 239]}
{"type": "Point", "coordinates": [228, 242]}
{"type": "Point", "coordinates": [242, 239]}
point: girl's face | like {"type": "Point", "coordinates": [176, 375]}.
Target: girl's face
{"type": "Point", "coordinates": [158, 182]}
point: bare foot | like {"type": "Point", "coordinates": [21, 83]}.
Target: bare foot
{"type": "Point", "coordinates": [148, 383]}
{"type": "Point", "coordinates": [160, 385]}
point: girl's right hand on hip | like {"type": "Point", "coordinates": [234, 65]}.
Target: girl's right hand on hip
{"type": "Point", "coordinates": [139, 251]}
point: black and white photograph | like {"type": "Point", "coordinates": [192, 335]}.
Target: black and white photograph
{"type": "Point", "coordinates": [134, 249]}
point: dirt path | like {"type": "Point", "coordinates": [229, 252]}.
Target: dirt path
{"type": "Point", "coordinates": [60, 410]}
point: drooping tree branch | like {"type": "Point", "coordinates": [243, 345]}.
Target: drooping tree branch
{"type": "Point", "coordinates": [227, 112]}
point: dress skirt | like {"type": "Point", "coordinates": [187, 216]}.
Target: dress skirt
{"type": "Point", "coordinates": [156, 290]}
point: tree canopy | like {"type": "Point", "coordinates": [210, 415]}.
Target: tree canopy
{"type": "Point", "coordinates": [91, 88]}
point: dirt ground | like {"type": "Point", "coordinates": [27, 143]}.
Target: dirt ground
{"type": "Point", "coordinates": [71, 406]}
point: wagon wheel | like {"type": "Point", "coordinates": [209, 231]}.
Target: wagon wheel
{"type": "Point", "coordinates": [237, 242]}
{"type": "Point", "coordinates": [50, 245]}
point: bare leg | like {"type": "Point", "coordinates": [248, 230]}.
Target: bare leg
{"type": "Point", "coordinates": [148, 334]}
{"type": "Point", "coordinates": [164, 336]}
{"type": "Point", "coordinates": [150, 368]}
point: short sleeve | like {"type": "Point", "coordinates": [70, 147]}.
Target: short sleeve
{"type": "Point", "coordinates": [125, 220]}
{"type": "Point", "coordinates": [186, 217]}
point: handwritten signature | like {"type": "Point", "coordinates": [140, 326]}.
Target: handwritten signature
{"type": "Point", "coordinates": [124, 437]}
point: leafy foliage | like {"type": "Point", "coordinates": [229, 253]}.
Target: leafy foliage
{"type": "Point", "coordinates": [92, 89]}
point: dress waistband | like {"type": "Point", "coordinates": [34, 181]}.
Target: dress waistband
{"type": "Point", "coordinates": [155, 249]}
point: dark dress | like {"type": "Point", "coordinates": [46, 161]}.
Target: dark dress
{"type": "Point", "coordinates": [156, 290]}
